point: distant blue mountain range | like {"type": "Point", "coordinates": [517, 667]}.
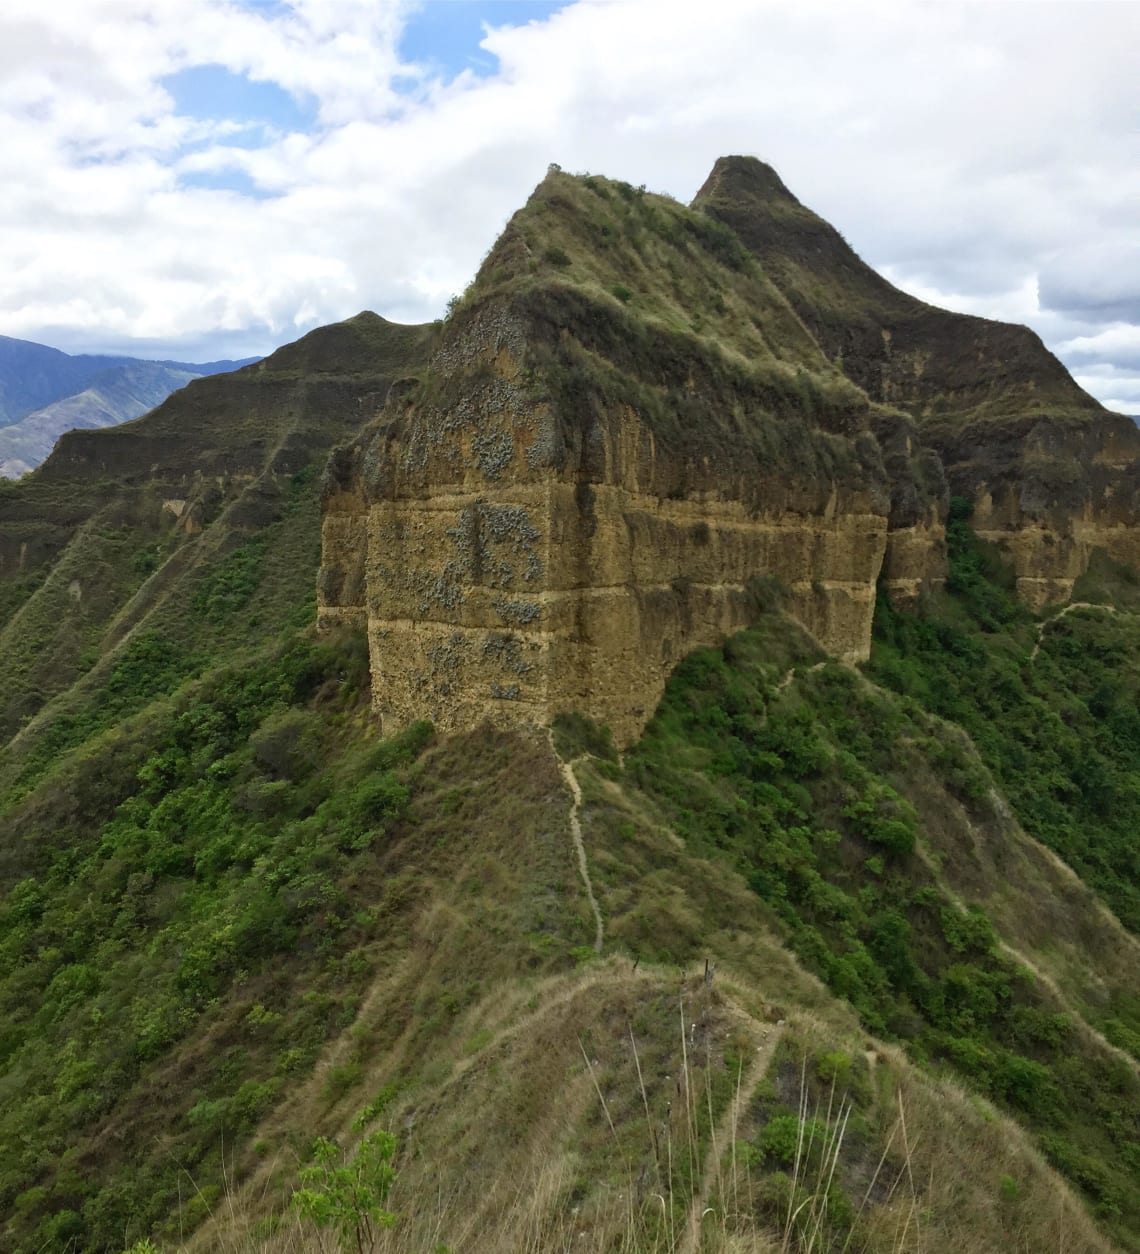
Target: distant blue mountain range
{"type": "Point", "coordinates": [45, 392]}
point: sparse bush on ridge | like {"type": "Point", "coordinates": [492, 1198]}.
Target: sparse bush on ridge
{"type": "Point", "coordinates": [349, 1192]}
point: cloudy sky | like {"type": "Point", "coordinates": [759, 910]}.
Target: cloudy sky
{"type": "Point", "coordinates": [199, 179]}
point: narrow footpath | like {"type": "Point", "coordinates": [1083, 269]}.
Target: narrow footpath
{"type": "Point", "coordinates": [567, 769]}
{"type": "Point", "coordinates": [724, 1135]}
{"type": "Point", "coordinates": [1073, 605]}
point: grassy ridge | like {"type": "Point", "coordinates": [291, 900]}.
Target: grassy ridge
{"type": "Point", "coordinates": [123, 525]}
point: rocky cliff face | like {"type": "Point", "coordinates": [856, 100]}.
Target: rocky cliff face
{"type": "Point", "coordinates": [1053, 474]}
{"type": "Point", "coordinates": [1049, 492]}
{"type": "Point", "coordinates": [643, 418]}
{"type": "Point", "coordinates": [593, 478]}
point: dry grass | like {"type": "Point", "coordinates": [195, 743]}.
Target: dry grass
{"type": "Point", "coordinates": [606, 1107]}
{"type": "Point", "coordinates": [931, 1174]}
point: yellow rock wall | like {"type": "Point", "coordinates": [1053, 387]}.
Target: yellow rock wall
{"type": "Point", "coordinates": [599, 604]}
{"type": "Point", "coordinates": [1048, 559]}
{"type": "Point", "coordinates": [533, 594]}
{"type": "Point", "coordinates": [510, 565]}
{"type": "Point", "coordinates": [1048, 493]}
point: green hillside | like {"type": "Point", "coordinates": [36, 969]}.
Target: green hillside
{"type": "Point", "coordinates": [187, 533]}
{"type": "Point", "coordinates": [831, 959]}
{"type": "Point", "coordinates": [235, 916]}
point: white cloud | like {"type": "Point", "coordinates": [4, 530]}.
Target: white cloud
{"type": "Point", "coordinates": [1120, 343]}
{"type": "Point", "coordinates": [984, 155]}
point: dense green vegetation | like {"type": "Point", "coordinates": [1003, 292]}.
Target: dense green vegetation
{"type": "Point", "coordinates": [1059, 729]}
{"type": "Point", "coordinates": [218, 595]}
{"type": "Point", "coordinates": [219, 831]}
{"type": "Point", "coordinates": [803, 788]}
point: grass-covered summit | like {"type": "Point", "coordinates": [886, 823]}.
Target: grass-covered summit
{"type": "Point", "coordinates": [939, 366]}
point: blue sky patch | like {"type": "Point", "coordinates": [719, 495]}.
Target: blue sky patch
{"type": "Point", "coordinates": [228, 180]}
{"type": "Point", "coordinates": [213, 93]}
{"type": "Point", "coordinates": [444, 35]}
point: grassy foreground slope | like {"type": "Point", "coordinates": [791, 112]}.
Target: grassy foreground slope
{"type": "Point", "coordinates": [239, 920]}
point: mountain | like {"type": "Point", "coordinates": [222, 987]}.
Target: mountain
{"type": "Point", "coordinates": [186, 484]}
{"type": "Point", "coordinates": [640, 409]}
{"type": "Point", "coordinates": [586, 758]}
{"type": "Point", "coordinates": [1052, 473]}
{"type": "Point", "coordinates": [44, 392]}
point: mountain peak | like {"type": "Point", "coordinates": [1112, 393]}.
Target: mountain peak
{"type": "Point", "coordinates": [743, 180]}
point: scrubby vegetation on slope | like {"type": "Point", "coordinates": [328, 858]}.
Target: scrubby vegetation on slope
{"type": "Point", "coordinates": [805, 789]}
{"type": "Point", "coordinates": [942, 367]}
{"type": "Point", "coordinates": [1053, 708]}
{"type": "Point", "coordinates": [631, 299]}
{"type": "Point", "coordinates": [182, 856]}
{"type": "Point", "coordinates": [198, 902]}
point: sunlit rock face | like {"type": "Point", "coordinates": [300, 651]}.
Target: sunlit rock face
{"type": "Point", "coordinates": [643, 421]}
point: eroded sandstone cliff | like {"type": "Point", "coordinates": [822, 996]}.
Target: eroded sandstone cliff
{"type": "Point", "coordinates": [624, 432]}
{"type": "Point", "coordinates": [643, 417]}
{"type": "Point", "coordinates": [1053, 474]}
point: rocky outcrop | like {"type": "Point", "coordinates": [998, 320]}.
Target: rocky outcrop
{"type": "Point", "coordinates": [497, 583]}
{"type": "Point", "coordinates": [643, 418]}
{"type": "Point", "coordinates": [576, 495]}
{"type": "Point", "coordinates": [1052, 473]}
{"type": "Point", "coordinates": [1050, 492]}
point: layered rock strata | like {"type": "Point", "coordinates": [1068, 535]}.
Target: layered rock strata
{"type": "Point", "coordinates": [1050, 493]}
{"type": "Point", "coordinates": [514, 555]}
{"type": "Point", "coordinates": [644, 419]}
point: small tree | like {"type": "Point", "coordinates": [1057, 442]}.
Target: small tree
{"type": "Point", "coordinates": [349, 1195]}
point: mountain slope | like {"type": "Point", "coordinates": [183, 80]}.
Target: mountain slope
{"type": "Point", "coordinates": [1054, 476]}
{"type": "Point", "coordinates": [829, 957]}
{"type": "Point", "coordinates": [162, 529]}
{"type": "Point", "coordinates": [939, 366]}
{"type": "Point", "coordinates": [34, 375]}
{"type": "Point", "coordinates": [44, 392]}
{"type": "Point", "coordinates": [118, 395]}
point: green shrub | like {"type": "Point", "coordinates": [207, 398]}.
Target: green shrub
{"type": "Point", "coordinates": [834, 1068]}
{"type": "Point", "coordinates": [783, 1136]}
{"type": "Point", "coordinates": [349, 1193]}
{"type": "Point", "coordinates": [287, 744]}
